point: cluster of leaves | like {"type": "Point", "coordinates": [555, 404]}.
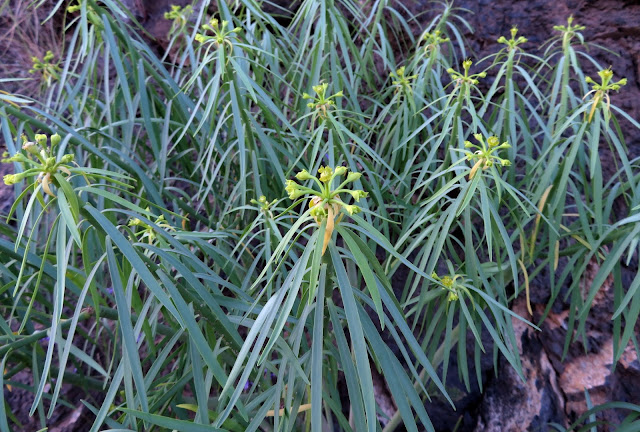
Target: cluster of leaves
{"type": "Point", "coordinates": [166, 272]}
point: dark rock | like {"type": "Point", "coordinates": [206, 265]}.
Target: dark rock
{"type": "Point", "coordinates": [510, 404]}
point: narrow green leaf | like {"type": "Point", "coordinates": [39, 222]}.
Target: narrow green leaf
{"type": "Point", "coordinates": [367, 273]}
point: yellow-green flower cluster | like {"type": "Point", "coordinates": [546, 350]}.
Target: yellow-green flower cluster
{"type": "Point", "coordinates": [38, 160]}
{"type": "Point", "coordinates": [321, 102]}
{"type": "Point", "coordinates": [325, 203]}
{"type": "Point", "coordinates": [146, 230]}
{"type": "Point", "coordinates": [570, 29]}
{"type": "Point", "coordinates": [449, 283]}
{"type": "Point", "coordinates": [402, 82]}
{"type": "Point", "coordinates": [513, 42]}
{"type": "Point", "coordinates": [326, 197]}
{"type": "Point", "coordinates": [484, 153]}
{"type": "Point", "coordinates": [46, 67]}
{"type": "Point", "coordinates": [433, 39]}
{"type": "Point", "coordinates": [74, 8]}
{"type": "Point", "coordinates": [605, 76]}
{"type": "Point", "coordinates": [601, 91]}
{"type": "Point", "coordinates": [221, 35]}
{"type": "Point", "coordinates": [465, 78]}
{"type": "Point", "coordinates": [92, 16]}
{"type": "Point", "coordinates": [179, 16]}
{"type": "Point", "coordinates": [263, 203]}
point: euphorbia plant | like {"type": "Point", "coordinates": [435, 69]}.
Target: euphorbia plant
{"type": "Point", "coordinates": [314, 275]}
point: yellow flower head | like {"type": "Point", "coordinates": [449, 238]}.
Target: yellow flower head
{"type": "Point", "coordinates": [357, 194]}
{"type": "Point", "coordinates": [326, 173]}
{"type": "Point", "coordinates": [352, 209]}
{"type": "Point", "coordinates": [293, 189]}
{"type": "Point", "coordinates": [447, 281]}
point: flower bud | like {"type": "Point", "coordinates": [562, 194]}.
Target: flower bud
{"type": "Point", "coordinates": [10, 179]}
{"type": "Point", "coordinates": [18, 157]}
{"type": "Point", "coordinates": [353, 176]}
{"type": "Point", "coordinates": [290, 184]}
{"type": "Point", "coordinates": [493, 141]}
{"type": "Point", "coordinates": [30, 147]}
{"type": "Point", "coordinates": [55, 140]}
{"type": "Point", "coordinates": [295, 194]}
{"type": "Point", "coordinates": [41, 139]}
{"type": "Point", "coordinates": [303, 175]}
{"type": "Point", "coordinates": [66, 158]}
{"type": "Point", "coordinates": [341, 170]}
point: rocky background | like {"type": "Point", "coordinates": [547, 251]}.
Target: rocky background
{"type": "Point", "coordinates": [554, 391]}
